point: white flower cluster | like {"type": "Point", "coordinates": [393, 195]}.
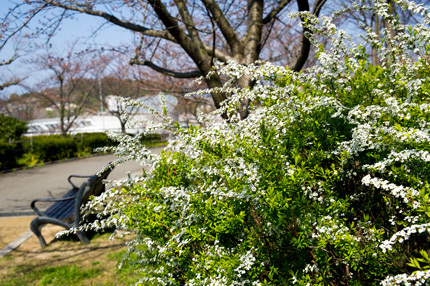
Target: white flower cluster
{"type": "Point", "coordinates": [247, 260]}
{"type": "Point", "coordinates": [402, 157]}
{"type": "Point", "coordinates": [403, 235]}
{"type": "Point", "coordinates": [417, 278]}
{"type": "Point", "coordinates": [405, 193]}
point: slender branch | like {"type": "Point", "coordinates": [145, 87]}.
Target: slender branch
{"type": "Point", "coordinates": [9, 61]}
{"type": "Point", "coordinates": [10, 83]}
{"type": "Point", "coordinates": [272, 15]}
{"type": "Point", "coordinates": [318, 6]}
{"type": "Point", "coordinates": [220, 55]}
{"type": "Point", "coordinates": [213, 36]}
{"type": "Point", "coordinates": [225, 27]}
{"type": "Point", "coordinates": [22, 26]}
{"type": "Point", "coordinates": [114, 20]}
{"type": "Point", "coordinates": [192, 74]}
{"type": "Point", "coordinates": [268, 34]}
{"type": "Point", "coordinates": [188, 21]}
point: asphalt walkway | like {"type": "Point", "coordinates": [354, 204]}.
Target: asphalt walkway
{"type": "Point", "coordinates": [18, 189]}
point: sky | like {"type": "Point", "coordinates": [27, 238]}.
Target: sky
{"type": "Point", "coordinates": [81, 28]}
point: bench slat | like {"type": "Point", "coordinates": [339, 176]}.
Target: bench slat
{"type": "Point", "coordinates": [63, 210]}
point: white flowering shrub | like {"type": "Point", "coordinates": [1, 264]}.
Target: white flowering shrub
{"type": "Point", "coordinates": [327, 182]}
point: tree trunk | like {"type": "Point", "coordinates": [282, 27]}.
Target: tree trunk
{"type": "Point", "coordinates": [377, 29]}
{"type": "Point", "coordinates": [123, 129]}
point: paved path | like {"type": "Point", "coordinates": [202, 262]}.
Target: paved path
{"type": "Point", "coordinates": [18, 189]}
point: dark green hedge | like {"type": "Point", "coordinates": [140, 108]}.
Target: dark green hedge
{"type": "Point", "coordinates": [151, 137]}
{"type": "Point", "coordinates": [53, 147]}
{"type": "Point", "coordinates": [91, 141]}
{"type": "Point", "coordinates": [8, 156]}
{"type": "Point", "coordinates": [48, 148]}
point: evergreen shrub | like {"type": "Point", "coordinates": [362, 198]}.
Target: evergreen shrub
{"type": "Point", "coordinates": [325, 183]}
{"type": "Point", "coordinates": [90, 141]}
{"type": "Point", "coordinates": [53, 147]}
{"type": "Point", "coordinates": [152, 137]}
{"type": "Point", "coordinates": [11, 128]}
{"type": "Point", "coordinates": [8, 156]}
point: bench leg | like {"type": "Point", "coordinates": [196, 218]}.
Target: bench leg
{"type": "Point", "coordinates": [82, 237]}
{"type": "Point", "coordinates": [35, 227]}
{"type": "Point", "coordinates": [37, 224]}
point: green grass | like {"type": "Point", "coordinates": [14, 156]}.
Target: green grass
{"type": "Point", "coordinates": [127, 274]}
{"type": "Point", "coordinates": [101, 271]}
{"type": "Point", "coordinates": [55, 275]}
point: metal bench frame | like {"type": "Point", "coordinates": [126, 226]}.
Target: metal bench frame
{"type": "Point", "coordinates": [66, 211]}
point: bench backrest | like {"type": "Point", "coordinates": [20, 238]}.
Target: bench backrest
{"type": "Point", "coordinates": [94, 186]}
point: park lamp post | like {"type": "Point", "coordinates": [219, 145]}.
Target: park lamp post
{"type": "Point", "coordinates": [101, 104]}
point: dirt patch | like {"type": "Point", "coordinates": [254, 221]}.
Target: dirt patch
{"type": "Point", "coordinates": [12, 227]}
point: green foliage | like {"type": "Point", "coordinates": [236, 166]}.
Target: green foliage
{"type": "Point", "coordinates": [325, 183]}
{"type": "Point", "coordinates": [127, 271]}
{"type": "Point", "coordinates": [48, 148]}
{"type": "Point", "coordinates": [88, 142]}
{"type": "Point", "coordinates": [11, 128]}
{"type": "Point", "coordinates": [8, 156]}
{"type": "Point", "coordinates": [53, 147]}
{"type": "Point", "coordinates": [150, 137]}
{"type": "Point", "coordinates": [28, 159]}
{"type": "Point", "coordinates": [70, 275]}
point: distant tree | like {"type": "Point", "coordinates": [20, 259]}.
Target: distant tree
{"type": "Point", "coordinates": [121, 80]}
{"type": "Point", "coordinates": [24, 107]}
{"type": "Point", "coordinates": [69, 87]}
{"type": "Point", "coordinates": [117, 87]}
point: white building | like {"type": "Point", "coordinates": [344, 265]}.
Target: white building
{"type": "Point", "coordinates": [105, 121]}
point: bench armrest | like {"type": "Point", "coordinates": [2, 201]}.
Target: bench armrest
{"type": "Point", "coordinates": [40, 213]}
{"type": "Point", "coordinates": [76, 176]}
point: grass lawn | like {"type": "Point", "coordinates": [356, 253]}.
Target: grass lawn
{"type": "Point", "coordinates": [68, 263]}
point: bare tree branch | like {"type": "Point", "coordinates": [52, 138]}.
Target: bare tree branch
{"type": "Point", "coordinates": [10, 83]}
{"type": "Point", "coordinates": [169, 22]}
{"type": "Point", "coordinates": [272, 15]}
{"type": "Point", "coordinates": [9, 61]}
{"type": "Point", "coordinates": [192, 74]}
{"type": "Point", "coordinates": [220, 55]}
{"type": "Point", "coordinates": [225, 27]}
{"type": "Point", "coordinates": [188, 21]}
{"type": "Point", "coordinates": [23, 25]}
{"type": "Point", "coordinates": [114, 20]}
{"type": "Point", "coordinates": [318, 6]}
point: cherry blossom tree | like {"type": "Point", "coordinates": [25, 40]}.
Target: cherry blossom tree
{"type": "Point", "coordinates": [202, 30]}
{"type": "Point", "coordinates": [66, 87]}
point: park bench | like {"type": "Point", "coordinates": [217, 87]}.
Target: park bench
{"type": "Point", "coordinates": [66, 211]}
